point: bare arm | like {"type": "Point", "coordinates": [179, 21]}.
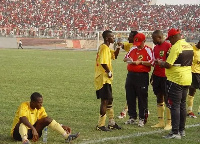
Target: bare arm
{"type": "Point", "coordinates": [107, 70]}
{"type": "Point", "coordinates": [146, 63]}
{"type": "Point", "coordinates": [116, 52]}
{"type": "Point", "coordinates": [163, 64]}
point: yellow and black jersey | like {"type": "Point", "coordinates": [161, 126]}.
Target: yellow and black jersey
{"type": "Point", "coordinates": [180, 57]}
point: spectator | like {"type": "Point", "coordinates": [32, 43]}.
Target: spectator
{"type": "Point", "coordinates": [93, 15]}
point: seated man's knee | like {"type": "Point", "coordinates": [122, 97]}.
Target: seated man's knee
{"type": "Point", "coordinates": [45, 120]}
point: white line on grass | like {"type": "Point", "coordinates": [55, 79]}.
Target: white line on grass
{"type": "Point", "coordinates": [131, 135]}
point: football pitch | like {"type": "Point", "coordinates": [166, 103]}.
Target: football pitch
{"type": "Point", "coordinates": [66, 80]}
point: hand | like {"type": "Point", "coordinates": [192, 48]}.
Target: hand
{"type": "Point", "coordinates": [138, 62]}
{"type": "Point", "coordinates": [35, 135]}
{"type": "Point", "coordinates": [159, 62]}
{"type": "Point", "coordinates": [119, 44]}
{"type": "Point", "coordinates": [67, 129]}
{"type": "Point", "coordinates": [156, 61]}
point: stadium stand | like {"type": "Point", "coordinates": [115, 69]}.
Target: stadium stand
{"type": "Point", "coordinates": [74, 18]}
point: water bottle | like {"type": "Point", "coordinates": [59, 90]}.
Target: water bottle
{"type": "Point", "coordinates": [45, 133]}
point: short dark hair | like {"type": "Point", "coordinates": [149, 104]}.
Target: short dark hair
{"type": "Point", "coordinates": [35, 96]}
{"type": "Point", "coordinates": [134, 33]}
{"type": "Point", "coordinates": [157, 32]}
{"type": "Point", "coordinates": [105, 33]}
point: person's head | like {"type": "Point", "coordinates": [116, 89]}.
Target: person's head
{"type": "Point", "coordinates": [36, 100]}
{"type": "Point", "coordinates": [108, 36]}
{"type": "Point", "coordinates": [131, 36]}
{"type": "Point", "coordinates": [198, 45]}
{"type": "Point", "coordinates": [173, 35]}
{"type": "Point", "coordinates": [139, 40]}
{"type": "Point", "coordinates": [157, 37]}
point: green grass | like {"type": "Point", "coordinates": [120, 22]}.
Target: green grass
{"type": "Point", "coordinates": [65, 79]}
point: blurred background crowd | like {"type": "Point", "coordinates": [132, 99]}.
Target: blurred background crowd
{"type": "Point", "coordinates": [81, 18]}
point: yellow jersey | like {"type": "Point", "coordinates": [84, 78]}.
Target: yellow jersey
{"type": "Point", "coordinates": [104, 56]}
{"type": "Point", "coordinates": [179, 73]}
{"type": "Point", "coordinates": [196, 60]}
{"type": "Point", "coordinates": [32, 114]}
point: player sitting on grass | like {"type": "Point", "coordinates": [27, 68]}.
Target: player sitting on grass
{"type": "Point", "coordinates": [31, 118]}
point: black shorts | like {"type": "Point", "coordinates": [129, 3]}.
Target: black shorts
{"type": "Point", "coordinates": [105, 92]}
{"type": "Point", "coordinates": [159, 85]}
{"type": "Point", "coordinates": [17, 136]}
{"type": "Point", "coordinates": [195, 80]}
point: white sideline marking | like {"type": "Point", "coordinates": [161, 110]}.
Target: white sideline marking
{"type": "Point", "coordinates": [131, 135]}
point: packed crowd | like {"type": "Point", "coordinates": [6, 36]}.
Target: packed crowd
{"type": "Point", "coordinates": [75, 16]}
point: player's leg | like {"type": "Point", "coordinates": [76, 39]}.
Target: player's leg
{"type": "Point", "coordinates": [190, 100]}
{"type": "Point", "coordinates": [168, 125]}
{"type": "Point", "coordinates": [160, 110]}
{"type": "Point", "coordinates": [158, 91]}
{"type": "Point", "coordinates": [105, 93]}
{"type": "Point", "coordinates": [110, 113]}
{"type": "Point", "coordinates": [192, 90]}
{"type": "Point", "coordinates": [51, 123]}
{"type": "Point", "coordinates": [102, 117]}
{"type": "Point", "coordinates": [21, 133]}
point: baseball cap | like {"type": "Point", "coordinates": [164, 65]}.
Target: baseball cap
{"type": "Point", "coordinates": [138, 39]}
{"type": "Point", "coordinates": [173, 32]}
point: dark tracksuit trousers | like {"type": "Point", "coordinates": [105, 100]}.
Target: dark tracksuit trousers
{"type": "Point", "coordinates": [177, 101]}
{"type": "Point", "coordinates": [137, 87]}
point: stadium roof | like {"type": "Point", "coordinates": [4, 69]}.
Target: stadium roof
{"type": "Point", "coordinates": [175, 2]}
